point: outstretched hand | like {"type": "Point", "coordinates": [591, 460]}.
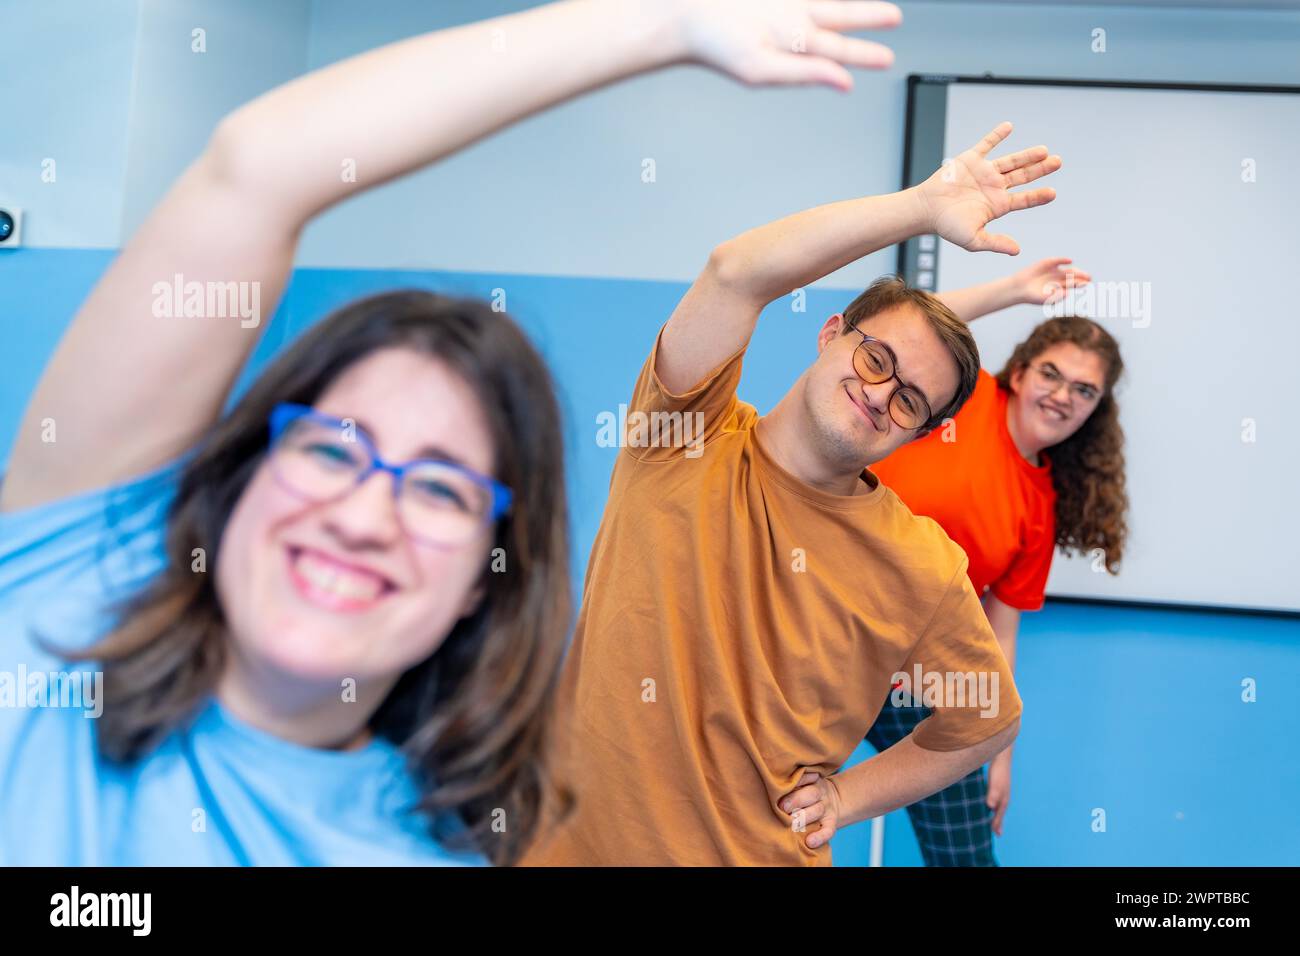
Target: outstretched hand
{"type": "Point", "coordinates": [1048, 281]}
{"type": "Point", "coordinates": [970, 191]}
{"type": "Point", "coordinates": [787, 42]}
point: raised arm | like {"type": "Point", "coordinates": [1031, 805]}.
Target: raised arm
{"type": "Point", "coordinates": [128, 390]}
{"type": "Point", "coordinates": [1044, 282]}
{"type": "Point", "coordinates": [718, 314]}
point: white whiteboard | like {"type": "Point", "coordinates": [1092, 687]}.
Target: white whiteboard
{"type": "Point", "coordinates": [1152, 192]}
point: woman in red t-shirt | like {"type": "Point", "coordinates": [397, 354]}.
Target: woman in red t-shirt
{"type": "Point", "coordinates": [1033, 461]}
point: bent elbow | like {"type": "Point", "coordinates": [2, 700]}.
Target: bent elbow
{"type": "Point", "coordinates": [724, 266]}
{"type": "Point", "coordinates": [1005, 737]}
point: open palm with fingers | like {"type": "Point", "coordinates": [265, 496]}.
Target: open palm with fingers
{"type": "Point", "coordinates": [970, 191]}
{"type": "Point", "coordinates": [762, 42]}
{"type": "Point", "coordinates": [1048, 281]}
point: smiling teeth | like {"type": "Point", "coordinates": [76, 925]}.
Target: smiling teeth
{"type": "Point", "coordinates": [345, 584]}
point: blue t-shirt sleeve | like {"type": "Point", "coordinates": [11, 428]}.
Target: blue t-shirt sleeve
{"type": "Point", "coordinates": [66, 566]}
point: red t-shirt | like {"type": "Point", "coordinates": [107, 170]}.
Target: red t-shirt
{"type": "Point", "coordinates": [997, 506]}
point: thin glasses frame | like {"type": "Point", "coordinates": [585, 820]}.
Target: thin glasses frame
{"type": "Point", "coordinates": [902, 386]}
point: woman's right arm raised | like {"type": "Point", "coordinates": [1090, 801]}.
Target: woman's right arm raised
{"type": "Point", "coordinates": [129, 390]}
{"type": "Point", "coordinates": [1043, 283]}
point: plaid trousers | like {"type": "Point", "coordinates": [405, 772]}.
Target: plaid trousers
{"type": "Point", "coordinates": [954, 826]}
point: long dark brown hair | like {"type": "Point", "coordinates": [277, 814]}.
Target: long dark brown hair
{"type": "Point", "coordinates": [1088, 467]}
{"type": "Point", "coordinates": [472, 717]}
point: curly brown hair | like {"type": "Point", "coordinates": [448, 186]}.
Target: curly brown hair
{"type": "Point", "coordinates": [1088, 467]}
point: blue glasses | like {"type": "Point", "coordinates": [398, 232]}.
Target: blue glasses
{"type": "Point", "coordinates": [320, 458]}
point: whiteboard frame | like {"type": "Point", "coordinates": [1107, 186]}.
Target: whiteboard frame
{"type": "Point", "coordinates": [917, 167]}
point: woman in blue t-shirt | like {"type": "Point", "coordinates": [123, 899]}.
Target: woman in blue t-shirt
{"type": "Point", "coordinates": [347, 598]}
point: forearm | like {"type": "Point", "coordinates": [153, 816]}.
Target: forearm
{"type": "Point", "coordinates": [1005, 622]}
{"type": "Point", "coordinates": [904, 773]}
{"type": "Point", "coordinates": [720, 311]}
{"type": "Point", "coordinates": [1007, 641]}
{"type": "Point", "coordinates": [971, 303]}
{"type": "Point", "coordinates": [770, 261]}
{"type": "Point", "coordinates": [402, 106]}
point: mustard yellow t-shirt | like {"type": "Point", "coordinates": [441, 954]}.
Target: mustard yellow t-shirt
{"type": "Point", "coordinates": [739, 627]}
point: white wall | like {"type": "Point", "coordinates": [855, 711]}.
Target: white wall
{"type": "Point", "coordinates": [110, 89]}
{"type": "Point", "coordinates": [562, 193]}
{"type": "Point", "coordinates": [180, 95]}
{"type": "Point", "coordinates": [66, 96]}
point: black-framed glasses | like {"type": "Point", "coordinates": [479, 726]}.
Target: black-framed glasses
{"type": "Point", "coordinates": [1051, 379]}
{"type": "Point", "coordinates": [875, 363]}
{"type": "Point", "coordinates": [320, 458]}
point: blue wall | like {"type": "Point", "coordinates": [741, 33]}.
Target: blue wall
{"type": "Point", "coordinates": [40, 291]}
{"type": "Point", "coordinates": [1136, 712]}
{"type": "Point", "coordinates": [1140, 713]}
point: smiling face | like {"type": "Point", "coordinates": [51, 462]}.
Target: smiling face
{"type": "Point", "coordinates": [314, 592]}
{"type": "Point", "coordinates": [1042, 413]}
{"type": "Point", "coordinates": [849, 418]}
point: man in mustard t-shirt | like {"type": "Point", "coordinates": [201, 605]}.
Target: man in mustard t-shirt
{"type": "Point", "coordinates": [753, 590]}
